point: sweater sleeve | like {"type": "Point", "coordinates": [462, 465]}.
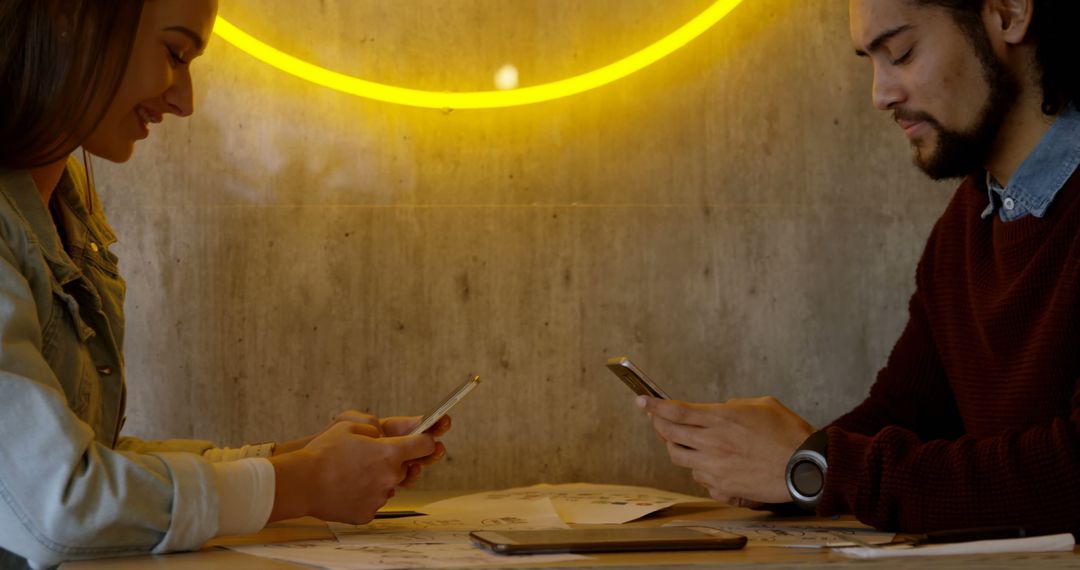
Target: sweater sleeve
{"type": "Point", "coordinates": [895, 481]}
{"type": "Point", "coordinates": [911, 391]}
{"type": "Point", "coordinates": [900, 461]}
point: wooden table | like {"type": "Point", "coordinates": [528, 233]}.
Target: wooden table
{"type": "Point", "coordinates": [214, 556]}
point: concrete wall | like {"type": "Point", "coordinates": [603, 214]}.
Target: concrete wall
{"type": "Point", "coordinates": [738, 218]}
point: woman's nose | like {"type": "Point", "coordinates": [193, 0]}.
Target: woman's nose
{"type": "Point", "coordinates": [180, 96]}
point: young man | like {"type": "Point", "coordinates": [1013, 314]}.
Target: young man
{"type": "Point", "coordinates": [975, 419]}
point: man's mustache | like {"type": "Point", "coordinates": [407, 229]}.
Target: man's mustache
{"type": "Point", "coordinates": [911, 116]}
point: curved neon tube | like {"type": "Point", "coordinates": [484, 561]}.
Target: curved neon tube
{"type": "Point", "coordinates": [476, 99]}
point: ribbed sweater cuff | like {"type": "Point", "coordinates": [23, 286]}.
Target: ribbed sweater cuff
{"type": "Point", "coordinates": [245, 495]}
{"type": "Point", "coordinates": [846, 457]}
{"type": "Point", "coordinates": [217, 454]}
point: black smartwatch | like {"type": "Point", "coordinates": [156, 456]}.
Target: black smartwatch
{"type": "Point", "coordinates": [806, 470]}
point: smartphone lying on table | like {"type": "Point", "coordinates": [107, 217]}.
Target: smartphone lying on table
{"type": "Point", "coordinates": [443, 408]}
{"type": "Point", "coordinates": [635, 378]}
{"type": "Point", "coordinates": [634, 539]}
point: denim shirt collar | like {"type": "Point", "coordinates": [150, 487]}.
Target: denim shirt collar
{"type": "Point", "coordinates": [1043, 173]}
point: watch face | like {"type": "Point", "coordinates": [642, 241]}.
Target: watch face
{"type": "Point", "coordinates": [807, 478]}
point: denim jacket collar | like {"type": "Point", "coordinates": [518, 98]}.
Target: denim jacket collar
{"type": "Point", "coordinates": [83, 227]}
{"type": "Point", "coordinates": [80, 227]}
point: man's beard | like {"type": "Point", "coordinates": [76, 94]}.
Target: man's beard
{"type": "Point", "coordinates": [960, 153]}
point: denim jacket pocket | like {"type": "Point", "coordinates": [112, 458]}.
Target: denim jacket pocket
{"type": "Point", "coordinates": [64, 347]}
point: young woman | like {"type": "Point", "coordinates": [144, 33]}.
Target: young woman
{"type": "Point", "coordinates": [98, 74]}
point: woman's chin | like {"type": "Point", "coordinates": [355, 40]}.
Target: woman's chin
{"type": "Point", "coordinates": [118, 153]}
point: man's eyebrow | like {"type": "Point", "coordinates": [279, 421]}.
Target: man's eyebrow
{"type": "Point", "coordinates": [882, 38]}
{"type": "Point", "coordinates": [195, 38]}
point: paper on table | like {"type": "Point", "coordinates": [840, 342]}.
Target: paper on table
{"type": "Point", "coordinates": [793, 535]}
{"type": "Point", "coordinates": [580, 503]}
{"type": "Point", "coordinates": [333, 556]}
{"type": "Point", "coordinates": [451, 527]}
{"type": "Point", "coordinates": [1049, 543]}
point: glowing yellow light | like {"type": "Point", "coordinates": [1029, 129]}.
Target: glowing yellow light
{"type": "Point", "coordinates": [477, 99]}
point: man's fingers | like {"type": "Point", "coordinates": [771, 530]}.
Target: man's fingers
{"type": "Point", "coordinates": [719, 496]}
{"type": "Point", "coordinates": [685, 457]}
{"type": "Point", "coordinates": [676, 433]}
{"type": "Point", "coordinates": [709, 483]}
{"type": "Point", "coordinates": [744, 503]}
{"type": "Point", "coordinates": [702, 478]}
{"type": "Point", "coordinates": [682, 412]}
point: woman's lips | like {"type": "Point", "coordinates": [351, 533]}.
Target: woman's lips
{"type": "Point", "coordinates": [145, 117]}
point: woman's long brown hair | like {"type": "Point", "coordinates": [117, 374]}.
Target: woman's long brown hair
{"type": "Point", "coordinates": [61, 63]}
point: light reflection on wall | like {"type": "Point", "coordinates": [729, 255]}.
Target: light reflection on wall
{"type": "Point", "coordinates": [477, 99]}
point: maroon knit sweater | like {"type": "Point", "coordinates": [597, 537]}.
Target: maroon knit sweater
{"type": "Point", "coordinates": [975, 419]}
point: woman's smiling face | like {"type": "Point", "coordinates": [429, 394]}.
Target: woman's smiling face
{"type": "Point", "coordinates": [157, 80]}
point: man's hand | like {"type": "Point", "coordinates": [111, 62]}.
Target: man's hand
{"type": "Point", "coordinates": [738, 450]}
{"type": "Point", "coordinates": [346, 473]}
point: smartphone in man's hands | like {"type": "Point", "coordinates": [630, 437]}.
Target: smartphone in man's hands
{"type": "Point", "coordinates": [635, 378]}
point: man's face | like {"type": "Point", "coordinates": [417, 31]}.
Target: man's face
{"type": "Point", "coordinates": [945, 86]}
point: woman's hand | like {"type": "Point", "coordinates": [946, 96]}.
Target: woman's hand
{"type": "Point", "coordinates": [348, 416]}
{"type": "Point", "coordinates": [346, 473]}
{"type": "Point", "coordinates": [375, 427]}
{"type": "Point", "coordinates": [402, 425]}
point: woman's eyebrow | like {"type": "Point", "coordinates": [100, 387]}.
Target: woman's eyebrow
{"type": "Point", "coordinates": [195, 38]}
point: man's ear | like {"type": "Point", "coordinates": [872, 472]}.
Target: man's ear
{"type": "Point", "coordinates": [1009, 20]}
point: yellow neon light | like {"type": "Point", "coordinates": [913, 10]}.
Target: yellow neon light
{"type": "Point", "coordinates": [477, 99]}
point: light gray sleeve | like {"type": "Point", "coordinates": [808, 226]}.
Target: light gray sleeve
{"type": "Point", "coordinates": [63, 496]}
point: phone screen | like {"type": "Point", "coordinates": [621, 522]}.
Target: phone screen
{"type": "Point", "coordinates": [608, 540]}
{"type": "Point", "coordinates": [441, 410]}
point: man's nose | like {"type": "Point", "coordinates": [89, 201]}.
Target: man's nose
{"type": "Point", "coordinates": [887, 91]}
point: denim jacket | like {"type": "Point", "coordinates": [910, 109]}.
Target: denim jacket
{"type": "Point", "coordinates": [70, 486]}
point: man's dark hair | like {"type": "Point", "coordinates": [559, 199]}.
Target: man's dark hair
{"type": "Point", "coordinates": [1057, 41]}
{"type": "Point", "coordinates": [61, 63]}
